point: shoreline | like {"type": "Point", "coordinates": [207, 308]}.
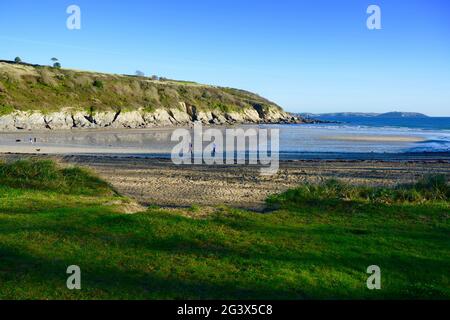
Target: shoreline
{"type": "Point", "coordinates": [131, 153]}
{"type": "Point", "coordinates": [162, 127]}
{"type": "Point", "coordinates": [297, 142]}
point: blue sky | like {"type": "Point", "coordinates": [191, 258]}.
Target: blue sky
{"type": "Point", "coordinates": [308, 56]}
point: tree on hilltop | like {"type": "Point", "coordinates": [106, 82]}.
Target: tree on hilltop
{"type": "Point", "coordinates": [56, 63]}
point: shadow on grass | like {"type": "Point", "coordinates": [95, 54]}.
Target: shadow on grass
{"type": "Point", "coordinates": [317, 253]}
{"type": "Point", "coordinates": [109, 282]}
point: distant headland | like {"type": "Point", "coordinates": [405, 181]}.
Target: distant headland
{"type": "Point", "coordinates": [393, 114]}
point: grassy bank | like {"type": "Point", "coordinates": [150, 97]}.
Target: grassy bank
{"type": "Point", "coordinates": [26, 87]}
{"type": "Point", "coordinates": [316, 243]}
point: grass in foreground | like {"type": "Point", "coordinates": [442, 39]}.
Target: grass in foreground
{"type": "Point", "coordinates": [317, 243]}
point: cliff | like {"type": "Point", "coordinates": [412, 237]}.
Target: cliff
{"type": "Point", "coordinates": [36, 97]}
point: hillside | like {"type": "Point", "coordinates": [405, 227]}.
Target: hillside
{"type": "Point", "coordinates": [40, 97]}
{"type": "Point", "coordinates": [402, 115]}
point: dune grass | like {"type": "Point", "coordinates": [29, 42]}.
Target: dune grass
{"type": "Point", "coordinates": [429, 189]}
{"type": "Point", "coordinates": [316, 244]}
{"type": "Point", "coordinates": [46, 175]}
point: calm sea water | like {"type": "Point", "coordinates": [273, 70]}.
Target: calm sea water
{"type": "Point", "coordinates": [365, 137]}
{"type": "Point", "coordinates": [351, 138]}
{"type": "Point", "coordinates": [434, 123]}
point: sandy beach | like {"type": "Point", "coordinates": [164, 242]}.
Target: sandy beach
{"type": "Point", "coordinates": [159, 182]}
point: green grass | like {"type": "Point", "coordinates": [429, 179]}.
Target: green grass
{"type": "Point", "coordinates": [5, 110]}
{"type": "Point", "coordinates": [429, 189]}
{"type": "Point", "coordinates": [316, 244]}
{"type": "Point", "coordinates": [45, 175]}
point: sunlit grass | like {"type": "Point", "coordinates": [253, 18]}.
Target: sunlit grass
{"type": "Point", "coordinates": [301, 250]}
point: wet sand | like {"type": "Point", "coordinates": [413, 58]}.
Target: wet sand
{"type": "Point", "coordinates": [63, 150]}
{"type": "Point", "coordinates": [160, 182]}
{"type": "Point", "coordinates": [380, 138]}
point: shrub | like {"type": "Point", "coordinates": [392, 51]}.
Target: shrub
{"type": "Point", "coordinates": [98, 84]}
{"type": "Point", "coordinates": [434, 187]}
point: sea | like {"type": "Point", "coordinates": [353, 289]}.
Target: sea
{"type": "Point", "coordinates": [346, 138]}
{"type": "Point", "coordinates": [368, 137]}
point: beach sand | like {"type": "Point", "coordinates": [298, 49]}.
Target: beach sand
{"type": "Point", "coordinates": [63, 150]}
{"type": "Point", "coordinates": [159, 182]}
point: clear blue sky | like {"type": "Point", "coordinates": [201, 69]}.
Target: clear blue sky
{"type": "Point", "coordinates": [308, 56]}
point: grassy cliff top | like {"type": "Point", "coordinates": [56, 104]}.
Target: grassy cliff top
{"type": "Point", "coordinates": [29, 87]}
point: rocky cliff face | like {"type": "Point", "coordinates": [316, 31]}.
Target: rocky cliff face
{"type": "Point", "coordinates": [37, 98]}
{"type": "Point", "coordinates": [71, 119]}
